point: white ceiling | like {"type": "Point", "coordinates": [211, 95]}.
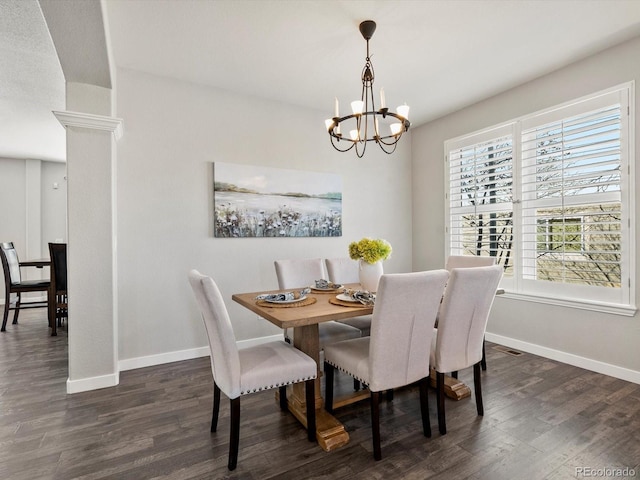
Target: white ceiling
{"type": "Point", "coordinates": [437, 56]}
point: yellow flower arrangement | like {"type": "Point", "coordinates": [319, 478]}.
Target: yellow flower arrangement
{"type": "Point", "coordinates": [370, 250]}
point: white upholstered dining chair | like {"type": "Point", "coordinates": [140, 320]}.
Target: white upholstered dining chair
{"type": "Point", "coordinates": [471, 261]}
{"type": "Point", "coordinates": [343, 271]}
{"type": "Point", "coordinates": [462, 320]}
{"type": "Point", "coordinates": [468, 261]}
{"type": "Point", "coordinates": [303, 272]}
{"type": "Point", "coordinates": [240, 372]}
{"type": "Point", "coordinates": [397, 351]}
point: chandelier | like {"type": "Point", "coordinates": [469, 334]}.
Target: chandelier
{"type": "Point", "coordinates": [366, 124]}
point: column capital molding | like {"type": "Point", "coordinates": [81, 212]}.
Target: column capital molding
{"type": "Point", "coordinates": [88, 120]}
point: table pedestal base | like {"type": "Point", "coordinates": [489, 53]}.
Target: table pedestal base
{"type": "Point", "coordinates": [453, 388]}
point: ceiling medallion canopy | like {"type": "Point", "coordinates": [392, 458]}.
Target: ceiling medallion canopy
{"type": "Point", "coordinates": [366, 123]}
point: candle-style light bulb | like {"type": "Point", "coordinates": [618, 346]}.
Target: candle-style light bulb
{"type": "Point", "coordinates": [357, 107]}
{"type": "Point", "coordinates": [396, 128]}
{"type": "Point", "coordinates": [336, 110]}
{"type": "Point", "coordinates": [354, 134]}
{"type": "Point", "coordinates": [382, 99]}
{"type": "Point", "coordinates": [403, 111]}
{"type": "Point", "coordinates": [329, 124]}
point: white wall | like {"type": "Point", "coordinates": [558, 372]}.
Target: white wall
{"type": "Point", "coordinates": [13, 226]}
{"type": "Point", "coordinates": [54, 204]}
{"type": "Point", "coordinates": [606, 343]}
{"type": "Point", "coordinates": [174, 131]}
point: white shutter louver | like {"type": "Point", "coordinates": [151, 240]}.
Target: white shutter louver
{"type": "Point", "coordinates": [571, 199]}
{"type": "Point", "coordinates": [480, 199]}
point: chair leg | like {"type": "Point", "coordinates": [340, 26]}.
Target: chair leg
{"type": "Point", "coordinates": [6, 312]}
{"type": "Point", "coordinates": [442, 424]}
{"type": "Point", "coordinates": [283, 397]}
{"type": "Point", "coordinates": [454, 374]}
{"type": "Point", "coordinates": [17, 310]}
{"type": "Point", "coordinates": [216, 407]}
{"type": "Point", "coordinates": [54, 319]}
{"type": "Point", "coordinates": [356, 384]}
{"type": "Point", "coordinates": [310, 390]}
{"type": "Point", "coordinates": [424, 406]}
{"type": "Point", "coordinates": [375, 424]}
{"type": "Point", "coordinates": [234, 440]}
{"type": "Point", "coordinates": [328, 387]}
{"type": "Point", "coordinates": [477, 383]}
{"type": "Point", "coordinates": [390, 395]}
{"type": "Point", "coordinates": [483, 362]}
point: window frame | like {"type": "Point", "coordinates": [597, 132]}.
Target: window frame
{"type": "Point", "coordinates": [620, 301]}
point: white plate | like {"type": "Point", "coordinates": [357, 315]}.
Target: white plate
{"type": "Point", "coordinates": [313, 287]}
{"type": "Point", "coordinates": [346, 298]}
{"type": "Point", "coordinates": [286, 301]}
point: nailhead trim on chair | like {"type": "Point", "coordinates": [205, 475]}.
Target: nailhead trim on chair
{"type": "Point", "coordinates": [269, 387]}
{"type": "Point", "coordinates": [347, 372]}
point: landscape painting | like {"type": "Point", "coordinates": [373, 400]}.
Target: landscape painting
{"type": "Point", "coordinates": [252, 201]}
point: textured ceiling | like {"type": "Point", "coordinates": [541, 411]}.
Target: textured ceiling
{"type": "Point", "coordinates": [437, 56]}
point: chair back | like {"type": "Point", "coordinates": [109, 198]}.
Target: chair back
{"type": "Point", "coordinates": [402, 327]}
{"type": "Point", "coordinates": [225, 360]}
{"type": "Point", "coordinates": [58, 254]}
{"type": "Point", "coordinates": [463, 316]}
{"type": "Point", "coordinates": [10, 264]}
{"type": "Point", "coordinates": [342, 270]}
{"type": "Point", "coordinates": [299, 272]}
{"type": "Point", "coordinates": [468, 261]}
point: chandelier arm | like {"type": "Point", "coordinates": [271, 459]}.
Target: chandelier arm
{"type": "Point", "coordinates": [391, 151]}
{"type": "Point", "coordinates": [341, 149]}
{"type": "Point", "coordinates": [389, 144]}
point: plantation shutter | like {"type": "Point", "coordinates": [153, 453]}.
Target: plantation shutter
{"type": "Point", "coordinates": [481, 197]}
{"type": "Point", "coordinates": [571, 194]}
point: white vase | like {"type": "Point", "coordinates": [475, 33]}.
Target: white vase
{"type": "Point", "coordinates": [370, 274]}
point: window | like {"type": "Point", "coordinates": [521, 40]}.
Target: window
{"type": "Point", "coordinates": [549, 196]}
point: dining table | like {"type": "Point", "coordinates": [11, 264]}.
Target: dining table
{"type": "Point", "coordinates": [304, 317]}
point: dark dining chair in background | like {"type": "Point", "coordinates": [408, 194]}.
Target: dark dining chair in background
{"type": "Point", "coordinates": [58, 254]}
{"type": "Point", "coordinates": [14, 284]}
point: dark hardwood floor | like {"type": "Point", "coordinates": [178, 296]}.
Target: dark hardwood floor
{"type": "Point", "coordinates": [543, 420]}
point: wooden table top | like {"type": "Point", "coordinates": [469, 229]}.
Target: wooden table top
{"type": "Point", "coordinates": [288, 317]}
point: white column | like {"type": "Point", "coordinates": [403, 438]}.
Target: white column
{"type": "Point", "coordinates": [91, 257]}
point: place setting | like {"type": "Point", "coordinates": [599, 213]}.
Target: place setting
{"type": "Point", "coordinates": [294, 298]}
{"type": "Point", "coordinates": [354, 298]}
{"type": "Point", "coordinates": [325, 286]}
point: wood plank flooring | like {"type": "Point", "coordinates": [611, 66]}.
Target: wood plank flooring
{"type": "Point", "coordinates": [543, 420]}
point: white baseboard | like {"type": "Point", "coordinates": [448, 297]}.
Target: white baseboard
{"type": "Point", "coordinates": [161, 358]}
{"type": "Point", "coordinates": [180, 355]}
{"type": "Point", "coordinates": [93, 383]}
{"type": "Point", "coordinates": [104, 381]}
{"type": "Point", "coordinates": [569, 358]}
